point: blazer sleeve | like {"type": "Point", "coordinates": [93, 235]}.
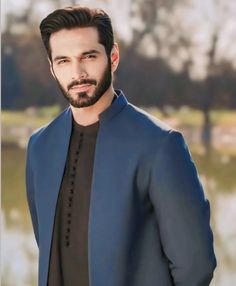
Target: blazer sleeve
{"type": "Point", "coordinates": [183, 213]}
{"type": "Point", "coordinates": [30, 191]}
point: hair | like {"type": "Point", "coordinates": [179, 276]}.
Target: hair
{"type": "Point", "coordinates": [78, 17]}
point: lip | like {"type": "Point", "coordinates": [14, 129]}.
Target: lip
{"type": "Point", "coordinates": [80, 87]}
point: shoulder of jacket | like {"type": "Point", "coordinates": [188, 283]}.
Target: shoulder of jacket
{"type": "Point", "coordinates": [45, 130]}
{"type": "Point", "coordinates": [146, 123]}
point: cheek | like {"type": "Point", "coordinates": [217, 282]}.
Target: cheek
{"type": "Point", "coordinates": [62, 77]}
{"type": "Point", "coordinates": [96, 69]}
{"type": "Point", "coordinates": [101, 70]}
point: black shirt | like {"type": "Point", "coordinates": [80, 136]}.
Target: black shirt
{"type": "Point", "coordinates": [69, 252]}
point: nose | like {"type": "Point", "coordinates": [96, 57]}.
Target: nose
{"type": "Point", "coordinates": [78, 71]}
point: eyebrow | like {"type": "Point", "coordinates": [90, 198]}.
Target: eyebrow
{"type": "Point", "coordinates": [90, 52]}
{"type": "Point", "coordinates": [57, 58]}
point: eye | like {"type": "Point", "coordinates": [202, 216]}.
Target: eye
{"type": "Point", "coordinates": [89, 57]}
{"type": "Point", "coordinates": [61, 62]}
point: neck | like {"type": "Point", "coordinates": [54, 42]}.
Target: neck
{"type": "Point", "coordinates": [89, 115]}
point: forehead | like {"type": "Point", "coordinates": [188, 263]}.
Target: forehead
{"type": "Point", "coordinates": [79, 39]}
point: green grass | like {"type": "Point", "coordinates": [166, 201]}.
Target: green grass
{"type": "Point", "coordinates": [194, 118]}
{"type": "Point", "coordinates": [188, 117]}
{"type": "Point", "coordinates": [224, 117]}
{"type": "Point", "coordinates": [18, 118]}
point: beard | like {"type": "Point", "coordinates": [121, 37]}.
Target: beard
{"type": "Point", "coordinates": [82, 99]}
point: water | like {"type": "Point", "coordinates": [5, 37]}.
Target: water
{"type": "Point", "coordinates": [19, 250]}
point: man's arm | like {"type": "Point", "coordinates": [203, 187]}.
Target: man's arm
{"type": "Point", "coordinates": [182, 213]}
{"type": "Point", "coordinates": [31, 192]}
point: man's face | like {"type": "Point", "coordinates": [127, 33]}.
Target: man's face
{"type": "Point", "coordinates": [80, 65]}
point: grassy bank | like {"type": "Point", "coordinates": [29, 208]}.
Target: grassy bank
{"type": "Point", "coordinates": [183, 116]}
{"type": "Point", "coordinates": [35, 116]}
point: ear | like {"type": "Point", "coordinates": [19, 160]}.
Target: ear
{"type": "Point", "coordinates": [51, 68]}
{"type": "Point", "coordinates": [115, 57]}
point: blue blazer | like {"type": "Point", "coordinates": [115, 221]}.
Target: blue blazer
{"type": "Point", "coordinates": [148, 219]}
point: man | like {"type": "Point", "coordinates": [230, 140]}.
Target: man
{"type": "Point", "coordinates": [114, 195]}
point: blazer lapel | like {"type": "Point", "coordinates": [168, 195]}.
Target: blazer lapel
{"type": "Point", "coordinates": [52, 160]}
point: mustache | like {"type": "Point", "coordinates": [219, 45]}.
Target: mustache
{"type": "Point", "coordinates": [82, 81]}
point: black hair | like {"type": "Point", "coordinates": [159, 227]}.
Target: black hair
{"type": "Point", "coordinates": [78, 17]}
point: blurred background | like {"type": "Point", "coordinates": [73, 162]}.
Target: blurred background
{"type": "Point", "coordinates": [178, 61]}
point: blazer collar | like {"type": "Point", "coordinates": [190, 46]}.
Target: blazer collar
{"type": "Point", "coordinates": [114, 108]}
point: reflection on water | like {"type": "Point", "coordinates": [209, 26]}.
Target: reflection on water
{"type": "Point", "coordinates": [224, 217]}
{"type": "Point", "coordinates": [19, 250]}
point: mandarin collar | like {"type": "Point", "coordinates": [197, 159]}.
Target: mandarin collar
{"type": "Point", "coordinates": [118, 104]}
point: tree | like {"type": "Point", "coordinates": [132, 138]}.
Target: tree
{"type": "Point", "coordinates": [189, 36]}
